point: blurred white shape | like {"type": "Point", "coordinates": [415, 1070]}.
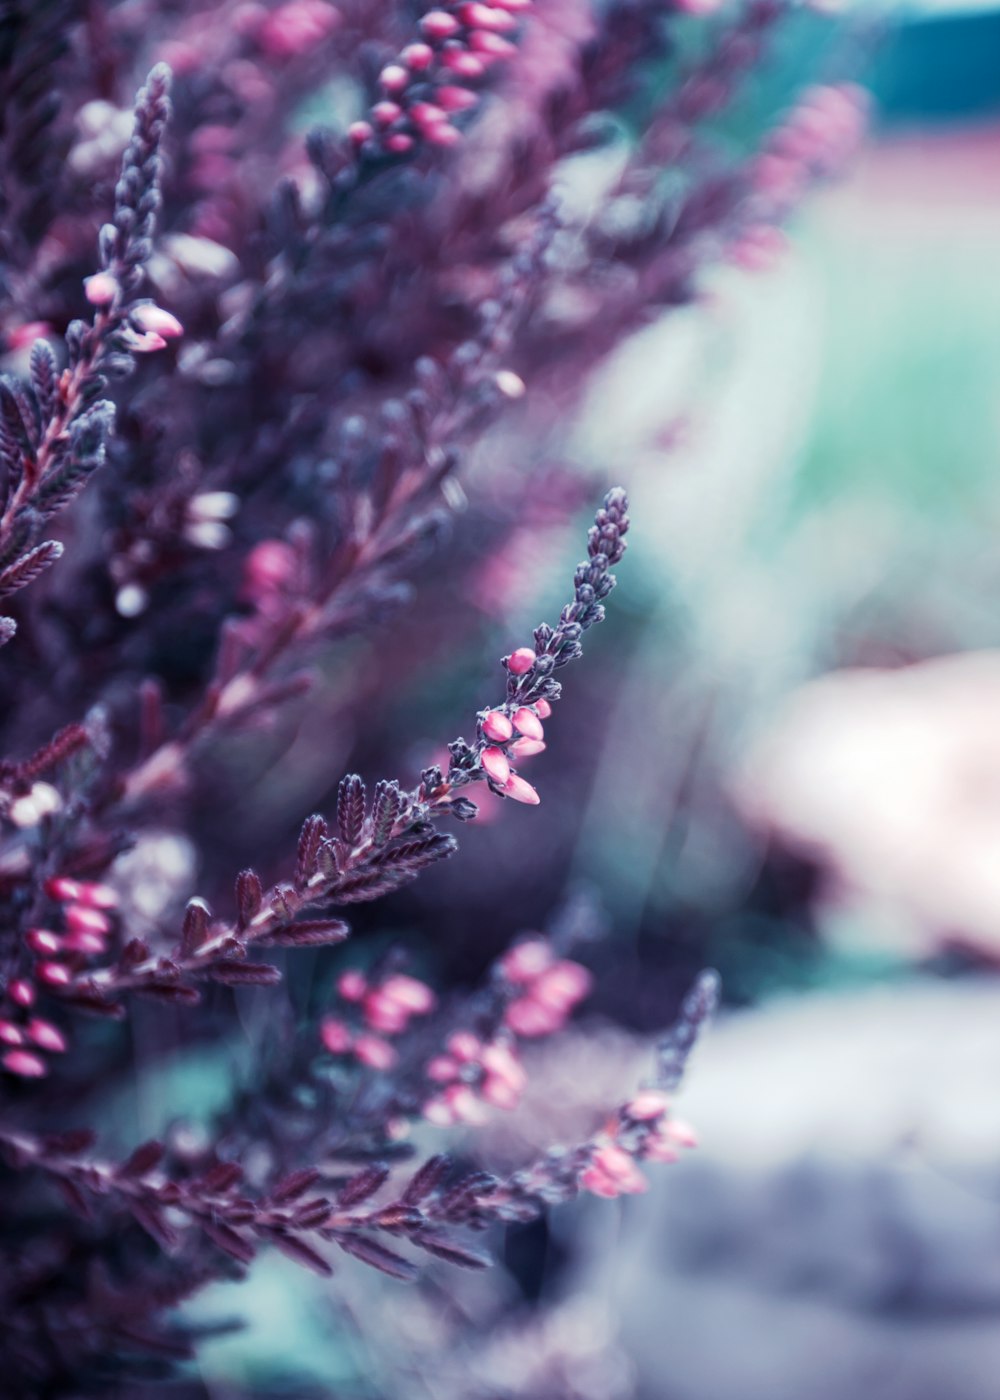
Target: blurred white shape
{"type": "Point", "coordinates": [893, 778]}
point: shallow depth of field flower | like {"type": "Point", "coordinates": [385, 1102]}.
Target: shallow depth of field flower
{"type": "Point", "coordinates": [297, 302]}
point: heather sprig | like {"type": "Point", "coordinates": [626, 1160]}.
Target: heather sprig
{"type": "Point", "coordinates": [54, 430]}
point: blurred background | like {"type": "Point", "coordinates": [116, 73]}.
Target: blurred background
{"type": "Point", "coordinates": [782, 759]}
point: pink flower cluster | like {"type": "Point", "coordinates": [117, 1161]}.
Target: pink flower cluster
{"type": "Point", "coordinates": [384, 1009]}
{"type": "Point", "coordinates": [819, 137]}
{"type": "Point", "coordinates": [517, 734]}
{"type": "Point", "coordinates": [641, 1130]}
{"type": "Point", "coordinates": [548, 988]}
{"type": "Point", "coordinates": [476, 1075]}
{"type": "Point", "coordinates": [460, 43]}
{"type": "Point", "coordinates": [295, 28]}
{"type": "Point", "coordinates": [149, 328]}
{"type": "Point", "coordinates": [86, 927]}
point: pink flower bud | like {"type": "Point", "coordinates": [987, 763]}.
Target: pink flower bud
{"type": "Point", "coordinates": [526, 748]}
{"type": "Point", "coordinates": [599, 1183]}
{"type": "Point", "coordinates": [21, 992]}
{"type": "Point", "coordinates": [384, 1015]}
{"type": "Point", "coordinates": [11, 1034]}
{"type": "Point", "coordinates": [455, 99]}
{"type": "Point", "coordinates": [486, 43]}
{"type": "Point", "coordinates": [478, 16]}
{"type": "Point", "coordinates": [530, 1018]}
{"type": "Point", "coordinates": [97, 896]}
{"type": "Point", "coordinates": [650, 1103]}
{"type": "Point", "coordinates": [269, 567]}
{"type": "Point", "coordinates": [465, 1046]}
{"type": "Point", "coordinates": [360, 132]}
{"type": "Point", "coordinates": [53, 974]}
{"type": "Point", "coordinates": [146, 344]}
{"type": "Point", "coordinates": [526, 961]}
{"type": "Point", "coordinates": [375, 1052]}
{"type": "Point", "coordinates": [294, 28]}
{"type": "Point", "coordinates": [393, 77]}
{"type": "Point", "coordinates": [159, 322]}
{"type": "Point", "coordinates": [24, 1063]}
{"type": "Point", "coordinates": [335, 1035]}
{"type": "Point", "coordinates": [679, 1133]}
{"type": "Point", "coordinates": [615, 1163]}
{"type": "Point", "coordinates": [441, 134]}
{"type": "Point", "coordinates": [521, 661]}
{"type": "Point", "coordinates": [543, 709]}
{"type": "Point", "coordinates": [426, 113]}
{"type": "Point", "coordinates": [562, 985]}
{"type": "Point", "coordinates": [80, 919]}
{"type": "Point", "coordinates": [500, 1093]}
{"type": "Point", "coordinates": [438, 24]}
{"type": "Point", "coordinates": [417, 57]}
{"type": "Point", "coordinates": [495, 763]}
{"type": "Point", "coordinates": [352, 985]}
{"type": "Point", "coordinates": [385, 113]}
{"type": "Point", "coordinates": [464, 1104]}
{"type": "Point", "coordinates": [59, 887]}
{"type": "Point", "coordinates": [47, 1036]}
{"type": "Point", "coordinates": [438, 1112]}
{"type": "Point", "coordinates": [85, 942]}
{"type": "Point", "coordinates": [465, 64]}
{"type": "Point", "coordinates": [409, 992]}
{"type": "Point", "coordinates": [399, 143]}
{"type": "Point", "coordinates": [19, 337]}
{"type": "Point", "coordinates": [442, 1069]}
{"type": "Point", "coordinates": [101, 289]}
{"type": "Point", "coordinates": [500, 1062]}
{"type": "Point", "coordinates": [497, 726]}
{"type": "Point", "coordinates": [521, 791]}
{"type": "Point", "coordinates": [43, 940]}
{"type": "Point", "coordinates": [526, 722]}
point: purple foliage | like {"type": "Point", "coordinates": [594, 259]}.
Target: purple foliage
{"type": "Point", "coordinates": [260, 359]}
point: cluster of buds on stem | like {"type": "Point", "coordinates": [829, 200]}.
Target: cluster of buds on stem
{"type": "Point", "coordinates": [381, 1009]}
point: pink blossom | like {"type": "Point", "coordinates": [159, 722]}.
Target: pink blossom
{"type": "Point", "coordinates": [495, 762]}
{"type": "Point", "coordinates": [383, 1014]}
{"type": "Point", "coordinates": [530, 1018]}
{"type": "Point", "coordinates": [22, 336]}
{"type": "Point", "coordinates": [43, 940]}
{"type": "Point", "coordinates": [80, 919]}
{"type": "Point", "coordinates": [497, 726]}
{"type": "Point", "coordinates": [438, 1112]}
{"type": "Point", "coordinates": [650, 1103]}
{"type": "Point", "coordinates": [562, 985]}
{"type": "Point", "coordinates": [409, 992]}
{"type": "Point", "coordinates": [526, 722]}
{"type": "Point", "coordinates": [464, 1104]}
{"type": "Point", "coordinates": [85, 942]}
{"type": "Point", "coordinates": [24, 1063]}
{"type": "Point", "coordinates": [438, 24]}
{"type": "Point", "coordinates": [442, 1069]}
{"type": "Point", "coordinates": [101, 289]}
{"type": "Point", "coordinates": [418, 57]}
{"type": "Point", "coordinates": [335, 1035]}
{"type": "Point", "coordinates": [11, 1034]}
{"type": "Point", "coordinates": [375, 1052]}
{"type": "Point", "coordinates": [296, 27]}
{"type": "Point", "coordinates": [53, 974]}
{"type": "Point", "coordinates": [543, 709]}
{"type": "Point", "coordinates": [352, 985]}
{"type": "Point", "coordinates": [455, 99]}
{"type": "Point", "coordinates": [526, 748]}
{"type": "Point", "coordinates": [521, 790]}
{"type": "Point", "coordinates": [521, 661]}
{"type": "Point", "coordinates": [394, 77]}
{"type": "Point", "coordinates": [159, 322]}
{"type": "Point", "coordinates": [465, 1046]}
{"type": "Point", "coordinates": [47, 1036]}
{"type": "Point", "coordinates": [21, 992]}
{"type": "Point", "coordinates": [526, 961]}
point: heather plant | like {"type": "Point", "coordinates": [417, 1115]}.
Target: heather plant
{"type": "Point", "coordinates": [258, 326]}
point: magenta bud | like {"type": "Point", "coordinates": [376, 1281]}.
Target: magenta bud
{"type": "Point", "coordinates": [543, 709]}
{"type": "Point", "coordinates": [438, 24]}
{"type": "Point", "coordinates": [465, 1046]}
{"type": "Point", "coordinates": [394, 78]}
{"type": "Point", "coordinates": [465, 64]}
{"type": "Point", "coordinates": [455, 99]}
{"type": "Point", "coordinates": [526, 748]}
{"type": "Point", "coordinates": [417, 57]}
{"type": "Point", "coordinates": [53, 974]}
{"type": "Point", "coordinates": [526, 722]}
{"type": "Point", "coordinates": [521, 661]}
{"type": "Point", "coordinates": [335, 1036]}
{"type": "Point", "coordinates": [80, 919]}
{"type": "Point", "coordinates": [21, 992]}
{"type": "Point", "coordinates": [59, 887]}
{"type": "Point", "coordinates": [85, 942]}
{"type": "Point", "coordinates": [497, 726]}
{"type": "Point", "coordinates": [101, 289]}
{"type": "Point", "coordinates": [399, 143]}
{"type": "Point", "coordinates": [146, 343]}
{"type": "Point", "coordinates": [157, 321]}
{"type": "Point", "coordinates": [43, 940]}
{"type": "Point", "coordinates": [483, 42]}
{"type": "Point", "coordinates": [385, 113]}
{"type": "Point", "coordinates": [426, 113]}
{"type": "Point", "coordinates": [410, 993]}
{"type": "Point", "coordinates": [521, 791]}
{"type": "Point", "coordinates": [24, 1063]}
{"type": "Point", "coordinates": [442, 1069]}
{"type": "Point", "coordinates": [97, 896]}
{"type": "Point", "coordinates": [441, 134]}
{"type": "Point", "coordinates": [495, 763]}
{"type": "Point", "coordinates": [47, 1036]}
{"type": "Point", "coordinates": [650, 1103]}
{"type": "Point", "coordinates": [375, 1052]}
{"type": "Point", "coordinates": [11, 1034]}
{"type": "Point", "coordinates": [360, 132]}
{"type": "Point", "coordinates": [526, 961]}
{"type": "Point", "coordinates": [352, 985]}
